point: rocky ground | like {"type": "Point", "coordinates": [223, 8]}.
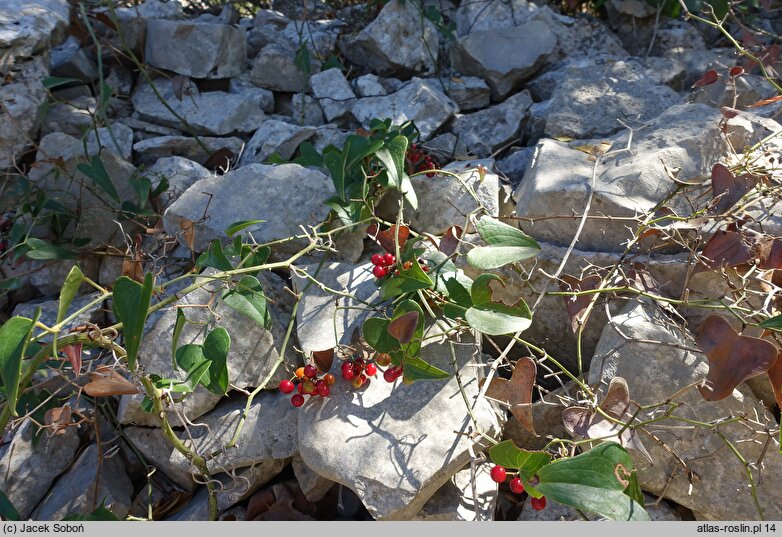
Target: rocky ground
{"type": "Point", "coordinates": [213, 102]}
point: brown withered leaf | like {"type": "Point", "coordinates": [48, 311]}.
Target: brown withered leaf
{"type": "Point", "coordinates": [577, 305]}
{"type": "Point", "coordinates": [276, 502]}
{"type": "Point", "coordinates": [188, 231]}
{"type": "Point", "coordinates": [517, 392]}
{"type": "Point", "coordinates": [709, 77]}
{"type": "Point", "coordinates": [766, 102]}
{"type": "Point", "coordinates": [775, 376]}
{"type": "Point", "coordinates": [771, 255]}
{"type": "Point", "coordinates": [73, 354]}
{"type": "Point", "coordinates": [323, 359]}
{"type": "Point", "coordinates": [220, 161]}
{"type": "Point", "coordinates": [450, 240]}
{"type": "Point", "coordinates": [583, 422]}
{"type": "Point", "coordinates": [403, 328]}
{"type": "Point", "coordinates": [728, 112]}
{"type": "Point", "coordinates": [640, 278]}
{"type": "Point", "coordinates": [387, 239]}
{"type": "Point", "coordinates": [105, 381]}
{"type": "Point", "coordinates": [726, 248]}
{"type": "Point", "coordinates": [133, 268]}
{"type": "Point", "coordinates": [729, 188]}
{"type": "Point", "coordinates": [58, 419]}
{"type": "Point", "coordinates": [178, 84]}
{"type": "Point", "coordinates": [733, 358]}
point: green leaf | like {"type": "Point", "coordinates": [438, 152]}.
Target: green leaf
{"type": "Point", "coordinates": [418, 369]}
{"type": "Point", "coordinates": [216, 347]}
{"type": "Point", "coordinates": [255, 257]}
{"type": "Point", "coordinates": [527, 462]}
{"type": "Point", "coordinates": [96, 171]}
{"type": "Point", "coordinates": [7, 509]}
{"type": "Point", "coordinates": [495, 318]}
{"type": "Point", "coordinates": [10, 284]}
{"type": "Point", "coordinates": [248, 299]}
{"type": "Point", "coordinates": [406, 281]}
{"type": "Point", "coordinates": [335, 162]}
{"type": "Point", "coordinates": [214, 257]}
{"type": "Point", "coordinates": [68, 292]}
{"type": "Point", "coordinates": [507, 244]}
{"type": "Point", "coordinates": [130, 305]}
{"type": "Point", "coordinates": [194, 377]}
{"type": "Point", "coordinates": [773, 323]}
{"type": "Point", "coordinates": [14, 338]}
{"type": "Point", "coordinates": [236, 227]}
{"type": "Point", "coordinates": [593, 481]}
{"type": "Point", "coordinates": [303, 59]}
{"type": "Point", "coordinates": [393, 158]}
{"type": "Point", "coordinates": [189, 356]}
{"type": "Point", "coordinates": [51, 82]}
{"type": "Point", "coordinates": [40, 249]}
{"type": "Point", "coordinates": [375, 331]}
{"type": "Point", "coordinates": [181, 320]}
{"type": "Point", "coordinates": [308, 156]}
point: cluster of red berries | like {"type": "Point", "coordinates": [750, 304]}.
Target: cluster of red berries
{"type": "Point", "coordinates": [383, 263]}
{"type": "Point", "coordinates": [420, 160]}
{"type": "Point", "coordinates": [499, 474]}
{"type": "Point", "coordinates": [307, 382]}
{"type": "Point", "coordinates": [357, 371]}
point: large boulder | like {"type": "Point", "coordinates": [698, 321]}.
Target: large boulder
{"type": "Point", "coordinates": [21, 97]}
{"type": "Point", "coordinates": [195, 49]}
{"type": "Point", "coordinates": [400, 41]}
{"type": "Point", "coordinates": [29, 27]}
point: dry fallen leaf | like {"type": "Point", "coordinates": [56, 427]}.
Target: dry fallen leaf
{"type": "Point", "coordinates": [577, 305]}
{"type": "Point", "coordinates": [105, 381]}
{"type": "Point", "coordinates": [517, 392]}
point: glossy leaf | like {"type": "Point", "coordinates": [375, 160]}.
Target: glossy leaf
{"type": "Point", "coordinates": [392, 155]}
{"type": "Point", "coordinates": [216, 347]}
{"type": "Point", "coordinates": [335, 162]}
{"type": "Point", "coordinates": [418, 369]}
{"type": "Point", "coordinates": [179, 325]}
{"type": "Point", "coordinates": [214, 257]}
{"type": "Point", "coordinates": [516, 393]}
{"type": "Point", "coordinates": [404, 327]}
{"type": "Point", "coordinates": [528, 463]}
{"type": "Point", "coordinates": [194, 376]}
{"type": "Point", "coordinates": [130, 305]}
{"type": "Point", "coordinates": [507, 244]}
{"type": "Point", "coordinates": [375, 332]}
{"type": "Point", "coordinates": [733, 358]}
{"type": "Point", "coordinates": [43, 250]}
{"type": "Point", "coordinates": [101, 514]}
{"type": "Point", "coordinates": [14, 338]}
{"type": "Point", "coordinates": [248, 298]}
{"type": "Point", "coordinates": [709, 77]}
{"type": "Point", "coordinates": [236, 227]}
{"type": "Point", "coordinates": [7, 509]}
{"type": "Point", "coordinates": [68, 291]}
{"type": "Point", "coordinates": [772, 323]}
{"type": "Point", "coordinates": [495, 318]}
{"type": "Point", "coordinates": [406, 281]}
{"type": "Point", "coordinates": [51, 82]}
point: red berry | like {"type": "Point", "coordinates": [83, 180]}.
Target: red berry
{"type": "Point", "coordinates": [414, 157]}
{"type": "Point", "coordinates": [329, 378]}
{"type": "Point", "coordinates": [310, 371]}
{"type": "Point", "coordinates": [322, 388]}
{"type": "Point", "coordinates": [297, 400]}
{"type": "Point", "coordinates": [377, 259]}
{"type": "Point", "coordinates": [389, 259]}
{"type": "Point", "coordinates": [370, 370]}
{"type": "Point", "coordinates": [357, 382]}
{"type": "Point", "coordinates": [300, 387]}
{"type": "Point", "coordinates": [498, 474]}
{"type": "Point", "coordinates": [538, 504]}
{"type": "Point", "coordinates": [516, 485]}
{"type": "Point", "coordinates": [379, 272]}
{"type": "Point", "coordinates": [287, 386]}
{"type": "Point", "coordinates": [389, 375]}
{"type": "Point", "coordinates": [348, 374]}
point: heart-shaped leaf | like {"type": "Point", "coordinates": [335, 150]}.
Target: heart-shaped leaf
{"type": "Point", "coordinates": [105, 382]}
{"type": "Point", "coordinates": [583, 422]}
{"type": "Point", "coordinates": [576, 305]}
{"type": "Point", "coordinates": [729, 188]}
{"type": "Point", "coordinates": [14, 338]}
{"type": "Point", "coordinates": [507, 244]}
{"type": "Point", "coordinates": [528, 463]}
{"type": "Point", "coordinates": [248, 298]}
{"type": "Point", "coordinates": [450, 240]}
{"type": "Point", "coordinates": [387, 239]}
{"type": "Point", "coordinates": [726, 248]}
{"type": "Point", "coordinates": [516, 393]}
{"type": "Point", "coordinates": [403, 328]}
{"type": "Point", "coordinates": [495, 318]}
{"type": "Point", "coordinates": [733, 358]}
{"type": "Point", "coordinates": [375, 331]}
{"type": "Point", "coordinates": [58, 419]}
{"type": "Point", "coordinates": [216, 346]}
{"type": "Point", "coordinates": [599, 481]}
{"type": "Point", "coordinates": [709, 77]}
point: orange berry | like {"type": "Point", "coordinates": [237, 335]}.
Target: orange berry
{"type": "Point", "coordinates": [300, 372]}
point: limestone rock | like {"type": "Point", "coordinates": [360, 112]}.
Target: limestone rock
{"type": "Point", "coordinates": [29, 27]}
{"type": "Point", "coordinates": [180, 173]}
{"type": "Point", "coordinates": [20, 99]}
{"type": "Point", "coordinates": [198, 50]}
{"type": "Point", "coordinates": [334, 93]}
{"type": "Point", "coordinates": [274, 136]}
{"type": "Point", "coordinates": [492, 128]}
{"type": "Point", "coordinates": [456, 500]}
{"type": "Point", "coordinates": [148, 151]}
{"type": "Point", "coordinates": [275, 68]}
{"type": "Point", "coordinates": [400, 41]}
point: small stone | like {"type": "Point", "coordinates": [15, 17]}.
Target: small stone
{"type": "Point", "coordinates": [488, 130]}
{"type": "Point", "coordinates": [456, 499]}
{"type": "Point", "coordinates": [198, 50]}
{"type": "Point", "coordinates": [469, 92]}
{"type": "Point", "coordinates": [514, 165]}
{"type": "Point", "coordinates": [334, 93]}
{"type": "Point", "coordinates": [29, 27]}
{"type": "Point", "coordinates": [274, 137]}
{"type": "Point", "coordinates": [314, 486]}
{"type": "Point", "coordinates": [368, 86]}
{"type": "Point", "coordinates": [148, 151]}
{"type": "Point", "coordinates": [487, 16]}
{"type": "Point", "coordinates": [275, 68]}
{"type": "Point", "coordinates": [179, 172]}
{"type": "Point", "coordinates": [70, 61]}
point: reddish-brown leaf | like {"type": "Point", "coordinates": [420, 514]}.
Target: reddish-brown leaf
{"type": "Point", "coordinates": [450, 240]}
{"type": "Point", "coordinates": [775, 376]}
{"type": "Point", "coordinates": [766, 102]}
{"type": "Point", "coordinates": [58, 418]}
{"type": "Point", "coordinates": [725, 248]}
{"type": "Point", "coordinates": [728, 112]}
{"type": "Point", "coordinates": [640, 278]}
{"type": "Point", "coordinates": [733, 358]}
{"type": "Point", "coordinates": [403, 328]}
{"type": "Point", "coordinates": [387, 239]}
{"type": "Point", "coordinates": [729, 188]}
{"type": "Point", "coordinates": [709, 77]}
{"type": "Point", "coordinates": [73, 354]}
{"type": "Point", "coordinates": [735, 71]}
{"type": "Point", "coordinates": [105, 381]}
{"type": "Point", "coordinates": [517, 392]}
{"type": "Point", "coordinates": [577, 305]}
{"type": "Point", "coordinates": [772, 255]}
{"type": "Point", "coordinates": [323, 359]}
{"type": "Point", "coordinates": [220, 160]}
{"type": "Point", "coordinates": [583, 422]}
{"type": "Point", "coordinates": [188, 231]}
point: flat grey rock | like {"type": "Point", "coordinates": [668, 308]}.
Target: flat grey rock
{"type": "Point", "coordinates": [492, 128]}
{"type": "Point", "coordinates": [275, 68]}
{"type": "Point", "coordinates": [149, 150]}
{"type": "Point", "coordinates": [29, 27]}
{"type": "Point", "coordinates": [334, 93]}
{"type": "Point", "coordinates": [21, 99]}
{"type": "Point", "coordinates": [179, 172]}
{"type": "Point", "coordinates": [272, 137]}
